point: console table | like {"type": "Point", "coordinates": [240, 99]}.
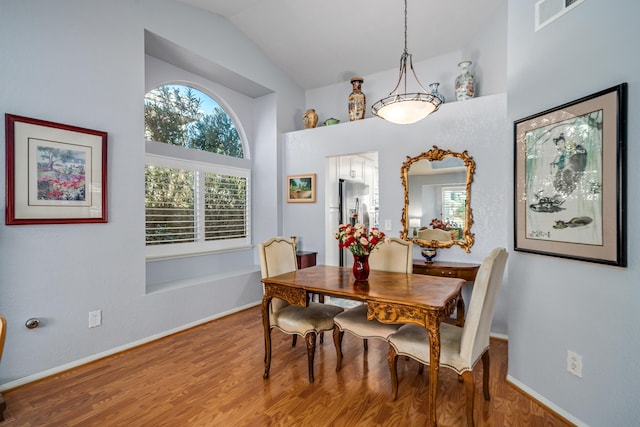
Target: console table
{"type": "Point", "coordinates": [306, 259]}
{"type": "Point", "coordinates": [459, 270]}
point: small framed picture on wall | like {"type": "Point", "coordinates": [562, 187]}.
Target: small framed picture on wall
{"type": "Point", "coordinates": [301, 188]}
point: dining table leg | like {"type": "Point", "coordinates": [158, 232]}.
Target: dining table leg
{"type": "Point", "coordinates": [267, 336]}
{"type": "Point", "coordinates": [433, 328]}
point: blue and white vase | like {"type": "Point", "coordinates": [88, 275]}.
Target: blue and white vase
{"type": "Point", "coordinates": [434, 91]}
{"type": "Point", "coordinates": [465, 82]}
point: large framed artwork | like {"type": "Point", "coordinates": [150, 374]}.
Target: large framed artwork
{"type": "Point", "coordinates": [301, 188]}
{"type": "Point", "coordinates": [55, 173]}
{"type": "Point", "coordinates": [570, 179]}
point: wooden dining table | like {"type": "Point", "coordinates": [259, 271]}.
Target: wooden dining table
{"type": "Point", "coordinates": [391, 298]}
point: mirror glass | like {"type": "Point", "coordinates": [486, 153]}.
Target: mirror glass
{"type": "Point", "coordinates": [437, 195]}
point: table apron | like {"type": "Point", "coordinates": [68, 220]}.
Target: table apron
{"type": "Point", "coordinates": [387, 312]}
{"type": "Point", "coordinates": [294, 296]}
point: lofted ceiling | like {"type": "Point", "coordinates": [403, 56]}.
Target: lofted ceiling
{"type": "Point", "coordinates": [319, 43]}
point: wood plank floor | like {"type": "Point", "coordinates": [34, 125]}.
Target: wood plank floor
{"type": "Point", "coordinates": [211, 375]}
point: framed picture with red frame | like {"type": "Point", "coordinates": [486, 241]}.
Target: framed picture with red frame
{"type": "Point", "coordinates": [55, 173]}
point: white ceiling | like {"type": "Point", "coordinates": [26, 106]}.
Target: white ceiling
{"type": "Point", "coordinates": [319, 43]}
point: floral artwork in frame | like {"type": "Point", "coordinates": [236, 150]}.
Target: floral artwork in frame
{"type": "Point", "coordinates": [570, 180]}
{"type": "Point", "coordinates": [55, 173]}
{"type": "Point", "coordinates": [301, 188]}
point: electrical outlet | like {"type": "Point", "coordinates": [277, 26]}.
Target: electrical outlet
{"type": "Point", "coordinates": [388, 225]}
{"type": "Point", "coordinates": [574, 363]}
{"type": "Point", "coordinates": [95, 318]}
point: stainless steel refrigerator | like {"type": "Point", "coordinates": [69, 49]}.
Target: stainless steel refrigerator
{"type": "Point", "coordinates": [354, 206]}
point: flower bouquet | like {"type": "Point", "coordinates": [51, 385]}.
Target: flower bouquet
{"type": "Point", "coordinates": [360, 243]}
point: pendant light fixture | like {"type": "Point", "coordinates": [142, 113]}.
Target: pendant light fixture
{"type": "Point", "coordinates": [404, 108]}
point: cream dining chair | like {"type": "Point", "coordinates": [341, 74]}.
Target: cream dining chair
{"type": "Point", "coordinates": [394, 255]}
{"type": "Point", "coordinates": [435, 234]}
{"type": "Point", "coordinates": [278, 256]}
{"type": "Point", "coordinates": [462, 347]}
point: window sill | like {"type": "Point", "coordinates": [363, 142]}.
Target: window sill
{"type": "Point", "coordinates": [201, 280]}
{"type": "Point", "coordinates": [196, 252]}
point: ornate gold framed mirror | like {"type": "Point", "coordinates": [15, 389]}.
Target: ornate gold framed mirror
{"type": "Point", "coordinates": [437, 199]}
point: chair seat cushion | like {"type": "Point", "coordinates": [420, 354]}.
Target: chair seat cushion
{"type": "Point", "coordinates": [413, 341]}
{"type": "Point", "coordinates": [354, 320]}
{"type": "Point", "coordinates": [294, 319]}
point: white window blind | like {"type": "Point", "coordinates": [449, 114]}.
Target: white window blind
{"type": "Point", "coordinates": [193, 207]}
{"type": "Point", "coordinates": [454, 201]}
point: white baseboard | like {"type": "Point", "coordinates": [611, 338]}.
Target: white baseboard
{"type": "Point", "coordinates": [564, 414]}
{"type": "Point", "coordinates": [112, 351]}
{"type": "Point", "coordinates": [503, 337]}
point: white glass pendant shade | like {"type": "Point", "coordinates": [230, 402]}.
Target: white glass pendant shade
{"type": "Point", "coordinates": [406, 108]}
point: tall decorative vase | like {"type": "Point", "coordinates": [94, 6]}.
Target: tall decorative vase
{"type": "Point", "coordinates": [310, 118]}
{"type": "Point", "coordinates": [465, 82]}
{"type": "Point", "coordinates": [434, 91]}
{"type": "Point", "coordinates": [360, 267]}
{"type": "Point", "coordinates": [357, 100]}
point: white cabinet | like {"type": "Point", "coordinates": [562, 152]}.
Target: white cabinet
{"type": "Point", "coordinates": [352, 168]}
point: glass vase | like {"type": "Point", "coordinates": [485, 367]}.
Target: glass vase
{"type": "Point", "coordinates": [361, 267]}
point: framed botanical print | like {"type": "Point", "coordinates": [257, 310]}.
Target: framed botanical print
{"type": "Point", "coordinates": [570, 180]}
{"type": "Point", "coordinates": [55, 173]}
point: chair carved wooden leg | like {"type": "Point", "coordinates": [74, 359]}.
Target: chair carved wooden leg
{"type": "Point", "coordinates": [392, 358]}
{"type": "Point", "coordinates": [469, 387]}
{"type": "Point", "coordinates": [337, 342]}
{"type": "Point", "coordinates": [485, 375]}
{"type": "Point", "coordinates": [311, 351]}
{"type": "Point", "coordinates": [267, 354]}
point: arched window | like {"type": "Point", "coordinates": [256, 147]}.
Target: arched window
{"type": "Point", "coordinates": [184, 116]}
{"type": "Point", "coordinates": [194, 201]}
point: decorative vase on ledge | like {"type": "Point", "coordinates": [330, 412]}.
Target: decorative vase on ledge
{"type": "Point", "coordinates": [310, 118]}
{"type": "Point", "coordinates": [434, 91]}
{"type": "Point", "coordinates": [361, 267]}
{"type": "Point", "coordinates": [465, 82]}
{"type": "Point", "coordinates": [357, 100]}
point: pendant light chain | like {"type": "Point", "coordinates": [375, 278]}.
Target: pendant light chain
{"type": "Point", "coordinates": [405, 28]}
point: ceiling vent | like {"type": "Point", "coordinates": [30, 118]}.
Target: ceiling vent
{"type": "Point", "coordinates": [548, 11]}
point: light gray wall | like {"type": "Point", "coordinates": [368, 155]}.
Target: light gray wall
{"type": "Point", "coordinates": [557, 305]}
{"type": "Point", "coordinates": [83, 63]}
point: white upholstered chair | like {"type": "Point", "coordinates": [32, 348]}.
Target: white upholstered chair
{"type": "Point", "coordinates": [461, 347]}
{"type": "Point", "coordinates": [278, 256]}
{"type": "Point", "coordinates": [435, 234]}
{"type": "Point", "coordinates": [394, 255]}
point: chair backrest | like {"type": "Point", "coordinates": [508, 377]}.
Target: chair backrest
{"type": "Point", "coordinates": [477, 326]}
{"type": "Point", "coordinates": [394, 255]}
{"type": "Point", "coordinates": [277, 256]}
{"type": "Point", "coordinates": [3, 334]}
{"type": "Point", "coordinates": [436, 234]}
